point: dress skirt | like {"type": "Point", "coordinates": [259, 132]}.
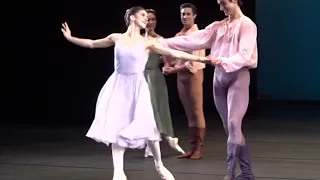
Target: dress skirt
{"type": "Point", "coordinates": [124, 113]}
{"type": "Point", "coordinates": [160, 101]}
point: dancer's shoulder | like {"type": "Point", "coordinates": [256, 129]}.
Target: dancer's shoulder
{"type": "Point", "coordinates": [247, 21]}
{"type": "Point", "coordinates": [115, 36]}
{"type": "Point", "coordinates": [216, 23]}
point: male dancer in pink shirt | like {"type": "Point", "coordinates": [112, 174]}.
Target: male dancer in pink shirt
{"type": "Point", "coordinates": [189, 80]}
{"type": "Point", "coordinates": [233, 44]}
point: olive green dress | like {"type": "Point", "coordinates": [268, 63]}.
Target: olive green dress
{"type": "Point", "coordinates": [159, 94]}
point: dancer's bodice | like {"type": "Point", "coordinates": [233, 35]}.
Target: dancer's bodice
{"type": "Point", "coordinates": [130, 59]}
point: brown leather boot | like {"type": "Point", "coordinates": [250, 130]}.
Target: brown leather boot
{"type": "Point", "coordinates": [192, 134]}
{"type": "Point", "coordinates": [198, 153]}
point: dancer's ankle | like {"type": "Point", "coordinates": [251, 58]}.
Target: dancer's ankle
{"type": "Point", "coordinates": [158, 163]}
{"type": "Point", "coordinates": [167, 138]}
{"type": "Point", "coordinates": [118, 171]}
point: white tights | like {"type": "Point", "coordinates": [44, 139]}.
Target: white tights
{"type": "Point", "coordinates": [118, 153]}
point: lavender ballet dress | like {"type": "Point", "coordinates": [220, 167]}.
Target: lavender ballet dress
{"type": "Point", "coordinates": [124, 113]}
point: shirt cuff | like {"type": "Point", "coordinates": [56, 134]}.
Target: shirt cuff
{"type": "Point", "coordinates": [227, 65]}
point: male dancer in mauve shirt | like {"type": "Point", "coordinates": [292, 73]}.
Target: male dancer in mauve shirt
{"type": "Point", "coordinates": [233, 44]}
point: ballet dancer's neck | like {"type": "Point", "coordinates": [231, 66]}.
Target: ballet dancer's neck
{"type": "Point", "coordinates": [151, 32]}
{"type": "Point", "coordinates": [133, 31]}
{"type": "Point", "coordinates": [236, 15]}
{"type": "Point", "coordinates": [187, 27]}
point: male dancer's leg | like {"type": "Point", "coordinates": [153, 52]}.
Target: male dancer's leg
{"type": "Point", "coordinates": [191, 95]}
{"type": "Point", "coordinates": [195, 91]}
{"type": "Point", "coordinates": [162, 171]}
{"type": "Point", "coordinates": [238, 101]}
{"type": "Point", "coordinates": [195, 96]}
{"type": "Point", "coordinates": [220, 94]}
{"type": "Point", "coordinates": [182, 83]}
{"type": "Point", "coordinates": [117, 157]}
{"type": "Point", "coordinates": [232, 104]}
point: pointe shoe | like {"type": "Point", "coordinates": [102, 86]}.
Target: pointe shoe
{"type": "Point", "coordinates": [147, 152]}
{"type": "Point", "coordinates": [119, 176]}
{"type": "Point", "coordinates": [164, 173]}
{"type": "Point", "coordinates": [173, 143]}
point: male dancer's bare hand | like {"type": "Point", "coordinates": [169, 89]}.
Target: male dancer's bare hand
{"type": "Point", "coordinates": [167, 70]}
{"type": "Point", "coordinates": [214, 61]}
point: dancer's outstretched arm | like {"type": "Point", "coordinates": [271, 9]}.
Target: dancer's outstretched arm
{"type": "Point", "coordinates": [88, 43]}
{"type": "Point", "coordinates": [154, 46]}
{"type": "Point", "coordinates": [201, 39]}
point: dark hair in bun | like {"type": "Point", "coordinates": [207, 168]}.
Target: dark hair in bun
{"type": "Point", "coordinates": [132, 11]}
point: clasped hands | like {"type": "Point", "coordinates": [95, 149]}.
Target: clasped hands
{"type": "Point", "coordinates": [168, 70]}
{"type": "Point", "coordinates": [208, 59]}
{"type": "Point", "coordinates": [213, 61]}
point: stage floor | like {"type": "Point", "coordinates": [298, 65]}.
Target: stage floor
{"type": "Point", "coordinates": [285, 146]}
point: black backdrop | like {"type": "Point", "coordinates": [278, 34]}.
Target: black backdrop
{"type": "Point", "coordinates": [65, 91]}
{"type": "Point", "coordinates": [77, 74]}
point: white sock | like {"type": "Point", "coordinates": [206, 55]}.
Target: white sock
{"type": "Point", "coordinates": [154, 147]}
{"type": "Point", "coordinates": [117, 157]}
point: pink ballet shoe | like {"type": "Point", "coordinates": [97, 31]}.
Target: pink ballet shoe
{"type": "Point", "coordinates": [173, 143]}
{"type": "Point", "coordinates": [147, 152]}
{"type": "Point", "coordinates": [119, 176]}
{"type": "Point", "coordinates": [164, 173]}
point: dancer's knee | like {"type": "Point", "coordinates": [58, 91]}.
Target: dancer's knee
{"type": "Point", "coordinates": [225, 126]}
{"type": "Point", "coordinates": [151, 142]}
{"type": "Point", "coordinates": [234, 132]}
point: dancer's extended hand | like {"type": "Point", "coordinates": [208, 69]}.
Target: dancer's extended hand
{"type": "Point", "coordinates": [167, 70]}
{"type": "Point", "coordinates": [65, 30]}
{"type": "Point", "coordinates": [204, 59]}
{"type": "Point", "coordinates": [214, 61]}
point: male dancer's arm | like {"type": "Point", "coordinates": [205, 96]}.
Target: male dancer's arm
{"type": "Point", "coordinates": [194, 67]}
{"type": "Point", "coordinates": [247, 53]}
{"type": "Point", "coordinates": [201, 39]}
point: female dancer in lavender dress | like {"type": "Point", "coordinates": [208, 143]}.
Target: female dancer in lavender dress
{"type": "Point", "coordinates": [124, 115]}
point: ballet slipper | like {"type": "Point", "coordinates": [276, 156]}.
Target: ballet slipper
{"type": "Point", "coordinates": [148, 152]}
{"type": "Point", "coordinates": [164, 173]}
{"type": "Point", "coordinates": [173, 143]}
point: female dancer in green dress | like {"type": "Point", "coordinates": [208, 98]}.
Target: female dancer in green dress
{"type": "Point", "coordinates": [158, 90]}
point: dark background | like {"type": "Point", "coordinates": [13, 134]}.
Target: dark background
{"type": "Point", "coordinates": [77, 74]}
{"type": "Point", "coordinates": [48, 80]}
